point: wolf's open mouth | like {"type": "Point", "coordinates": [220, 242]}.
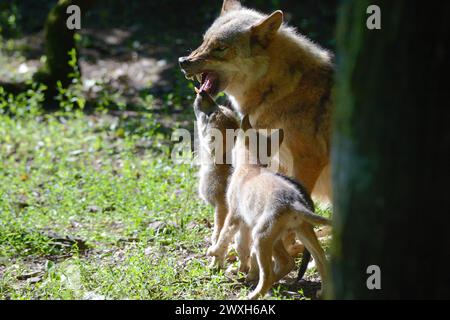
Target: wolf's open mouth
{"type": "Point", "coordinates": [210, 83]}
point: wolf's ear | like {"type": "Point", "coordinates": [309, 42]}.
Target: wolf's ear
{"type": "Point", "coordinates": [265, 30]}
{"type": "Point", "coordinates": [245, 123]}
{"type": "Point", "coordinates": [229, 5]}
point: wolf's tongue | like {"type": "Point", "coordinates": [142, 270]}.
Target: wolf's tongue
{"type": "Point", "coordinates": [208, 82]}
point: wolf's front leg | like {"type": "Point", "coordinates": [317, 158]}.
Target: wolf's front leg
{"type": "Point", "coordinates": [220, 248]}
{"type": "Point", "coordinates": [243, 242]}
{"type": "Point", "coordinates": [220, 213]}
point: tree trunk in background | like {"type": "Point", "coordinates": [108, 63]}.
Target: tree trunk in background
{"type": "Point", "coordinates": [59, 40]}
{"type": "Point", "coordinates": [390, 151]}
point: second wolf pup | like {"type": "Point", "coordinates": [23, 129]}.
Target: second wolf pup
{"type": "Point", "coordinates": [270, 206]}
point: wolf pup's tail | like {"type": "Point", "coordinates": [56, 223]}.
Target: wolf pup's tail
{"type": "Point", "coordinates": [310, 216]}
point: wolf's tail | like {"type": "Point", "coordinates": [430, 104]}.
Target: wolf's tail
{"type": "Point", "coordinates": [310, 216]}
{"type": "Point", "coordinates": [304, 264]}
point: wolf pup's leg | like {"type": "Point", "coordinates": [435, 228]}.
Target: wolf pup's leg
{"type": "Point", "coordinates": [220, 213]}
{"type": "Point", "coordinates": [220, 248]}
{"type": "Point", "coordinates": [264, 236]}
{"type": "Point", "coordinates": [244, 243]}
{"type": "Point", "coordinates": [263, 249]}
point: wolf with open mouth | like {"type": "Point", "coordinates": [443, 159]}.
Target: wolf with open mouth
{"type": "Point", "coordinates": [279, 78]}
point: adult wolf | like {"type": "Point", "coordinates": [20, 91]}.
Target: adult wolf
{"type": "Point", "coordinates": [276, 76]}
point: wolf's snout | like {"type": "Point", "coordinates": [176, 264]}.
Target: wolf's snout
{"type": "Point", "coordinates": [183, 62]}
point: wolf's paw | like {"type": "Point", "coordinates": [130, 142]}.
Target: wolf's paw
{"type": "Point", "coordinates": [212, 251]}
{"type": "Point", "coordinates": [213, 265]}
{"type": "Point", "coordinates": [216, 263]}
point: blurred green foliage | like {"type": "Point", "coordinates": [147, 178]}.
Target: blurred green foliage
{"type": "Point", "coordinates": [9, 15]}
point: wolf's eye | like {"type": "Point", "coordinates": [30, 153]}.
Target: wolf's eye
{"type": "Point", "coordinates": [221, 48]}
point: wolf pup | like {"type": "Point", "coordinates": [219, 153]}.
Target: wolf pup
{"type": "Point", "coordinates": [278, 77]}
{"type": "Point", "coordinates": [213, 120]}
{"type": "Point", "coordinates": [270, 206]}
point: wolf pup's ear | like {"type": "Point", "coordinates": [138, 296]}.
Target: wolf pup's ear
{"type": "Point", "coordinates": [245, 123]}
{"type": "Point", "coordinates": [265, 30]}
{"type": "Point", "coordinates": [230, 5]}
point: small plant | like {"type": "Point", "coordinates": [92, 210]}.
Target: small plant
{"type": "Point", "coordinates": [71, 96]}
{"type": "Point", "coordinates": [9, 15]}
{"type": "Point", "coordinates": [27, 103]}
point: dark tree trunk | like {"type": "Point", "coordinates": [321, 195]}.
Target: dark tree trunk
{"type": "Point", "coordinates": [59, 40]}
{"type": "Point", "coordinates": [391, 151]}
